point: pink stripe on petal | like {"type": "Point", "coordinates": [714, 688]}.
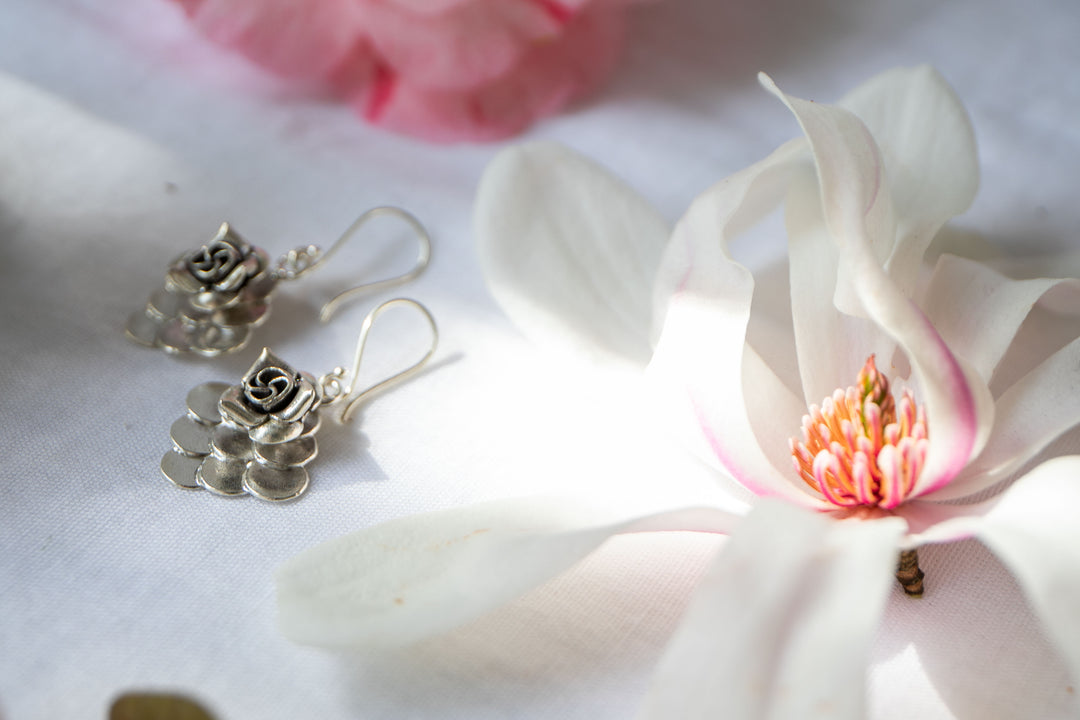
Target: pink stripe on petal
{"type": "Point", "coordinates": [558, 12]}
{"type": "Point", "coordinates": [860, 219]}
{"type": "Point", "coordinates": [745, 478]}
{"type": "Point", "coordinates": [382, 90]}
{"type": "Point", "coordinates": [864, 479]}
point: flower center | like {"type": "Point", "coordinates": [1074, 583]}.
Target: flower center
{"type": "Point", "coordinates": [270, 389]}
{"type": "Point", "coordinates": [861, 447]}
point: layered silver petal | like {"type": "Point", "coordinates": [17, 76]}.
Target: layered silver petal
{"type": "Point", "coordinates": [228, 447]}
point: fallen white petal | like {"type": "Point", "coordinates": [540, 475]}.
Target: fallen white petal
{"type": "Point", "coordinates": [409, 579]}
{"type": "Point", "coordinates": [569, 252]}
{"type": "Point", "coordinates": [781, 625]}
{"type": "Point", "coordinates": [1033, 529]}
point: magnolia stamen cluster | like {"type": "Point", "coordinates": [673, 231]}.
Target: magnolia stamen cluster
{"type": "Point", "coordinates": [862, 447]}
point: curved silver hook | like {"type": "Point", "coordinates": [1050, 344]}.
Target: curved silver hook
{"type": "Point", "coordinates": [331, 382]}
{"type": "Point", "coordinates": [423, 257]}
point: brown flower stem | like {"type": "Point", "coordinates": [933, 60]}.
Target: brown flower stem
{"type": "Point", "coordinates": [908, 573]}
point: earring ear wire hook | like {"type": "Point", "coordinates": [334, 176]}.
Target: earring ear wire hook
{"type": "Point", "coordinates": [336, 391]}
{"type": "Point", "coordinates": [423, 257]}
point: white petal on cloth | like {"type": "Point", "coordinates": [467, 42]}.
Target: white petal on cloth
{"type": "Point", "coordinates": [832, 346]}
{"type": "Point", "coordinates": [1033, 530]}
{"type": "Point", "coordinates": [698, 367]}
{"type": "Point", "coordinates": [856, 206]}
{"type": "Point", "coordinates": [569, 252]}
{"type": "Point", "coordinates": [781, 625]}
{"type": "Point", "coordinates": [928, 146]}
{"type": "Point", "coordinates": [978, 311]}
{"type": "Point", "coordinates": [409, 579]}
{"type": "Point", "coordinates": [1031, 414]}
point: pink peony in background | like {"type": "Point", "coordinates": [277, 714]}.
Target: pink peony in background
{"type": "Point", "coordinates": [442, 70]}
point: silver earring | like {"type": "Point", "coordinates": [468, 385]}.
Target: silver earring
{"type": "Point", "coordinates": [257, 436]}
{"type": "Point", "coordinates": [215, 294]}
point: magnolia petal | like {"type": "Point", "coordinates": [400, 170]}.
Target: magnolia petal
{"type": "Point", "coordinates": [832, 346]}
{"type": "Point", "coordinates": [409, 579]}
{"type": "Point", "coordinates": [782, 622]}
{"type": "Point", "coordinates": [931, 522]}
{"type": "Point", "coordinates": [978, 311]}
{"type": "Point", "coordinates": [1033, 530]}
{"type": "Point", "coordinates": [928, 146]}
{"type": "Point", "coordinates": [857, 211]}
{"type": "Point", "coordinates": [698, 367]}
{"type": "Point", "coordinates": [569, 252]}
{"type": "Point", "coordinates": [1032, 413]}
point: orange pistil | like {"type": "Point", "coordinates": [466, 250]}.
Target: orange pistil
{"type": "Point", "coordinates": [861, 447]}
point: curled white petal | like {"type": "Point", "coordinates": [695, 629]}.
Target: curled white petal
{"type": "Point", "coordinates": [978, 311]}
{"type": "Point", "coordinates": [1032, 413]}
{"type": "Point", "coordinates": [700, 365]}
{"type": "Point", "coordinates": [929, 153]}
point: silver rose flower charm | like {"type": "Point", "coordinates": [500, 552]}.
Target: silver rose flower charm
{"type": "Point", "coordinates": [211, 299]}
{"type": "Point", "coordinates": [214, 295]}
{"type": "Point", "coordinates": [257, 437]}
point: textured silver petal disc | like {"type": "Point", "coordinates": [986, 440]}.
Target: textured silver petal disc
{"type": "Point", "coordinates": [142, 329]}
{"type": "Point", "coordinates": [244, 314]}
{"type": "Point", "coordinates": [180, 469]}
{"type": "Point", "coordinates": [230, 442]}
{"type": "Point", "coordinates": [272, 433]}
{"type": "Point", "coordinates": [224, 477]}
{"type": "Point", "coordinates": [311, 423]}
{"type": "Point", "coordinates": [190, 437]}
{"type": "Point", "coordinates": [202, 402]}
{"type": "Point", "coordinates": [173, 337]}
{"type": "Point", "coordinates": [211, 340]}
{"type": "Point", "coordinates": [275, 484]}
{"type": "Point", "coordinates": [165, 304]}
{"type": "Point", "coordinates": [297, 453]}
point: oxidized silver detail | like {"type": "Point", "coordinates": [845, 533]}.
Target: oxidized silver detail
{"type": "Point", "coordinates": [211, 298]}
{"type": "Point", "coordinates": [253, 437]}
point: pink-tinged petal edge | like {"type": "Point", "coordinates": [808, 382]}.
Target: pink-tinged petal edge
{"type": "Point", "coordinates": [704, 297]}
{"type": "Point", "coordinates": [1033, 412]}
{"type": "Point", "coordinates": [858, 213]}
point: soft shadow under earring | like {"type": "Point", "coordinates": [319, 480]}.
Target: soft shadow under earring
{"type": "Point", "coordinates": [256, 437]}
{"type": "Point", "coordinates": [214, 295]}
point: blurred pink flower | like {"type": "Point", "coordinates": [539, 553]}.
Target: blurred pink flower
{"type": "Point", "coordinates": [442, 70]}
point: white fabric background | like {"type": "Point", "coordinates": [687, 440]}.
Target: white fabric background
{"type": "Point", "coordinates": [125, 138]}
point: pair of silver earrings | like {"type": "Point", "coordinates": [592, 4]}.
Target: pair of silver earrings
{"type": "Point", "coordinates": [256, 437]}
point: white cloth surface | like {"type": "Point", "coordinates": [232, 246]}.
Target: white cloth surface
{"type": "Point", "coordinates": [125, 138]}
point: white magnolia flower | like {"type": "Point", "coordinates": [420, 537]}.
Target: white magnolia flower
{"type": "Point", "coordinates": [782, 621]}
